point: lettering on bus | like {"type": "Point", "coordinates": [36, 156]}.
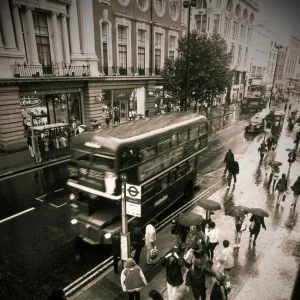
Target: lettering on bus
{"type": "Point", "coordinates": [160, 163]}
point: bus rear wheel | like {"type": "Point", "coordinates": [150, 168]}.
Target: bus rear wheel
{"type": "Point", "coordinates": [189, 191]}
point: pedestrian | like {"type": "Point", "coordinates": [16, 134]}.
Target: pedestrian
{"type": "Point", "coordinates": [296, 129]}
{"type": "Point", "coordinates": [213, 235]}
{"type": "Point", "coordinates": [270, 142]}
{"type": "Point", "coordinates": [256, 223]}
{"type": "Point", "coordinates": [195, 278]}
{"type": "Point", "coordinates": [268, 123]}
{"type": "Point", "coordinates": [180, 233]}
{"type": "Point", "coordinates": [226, 260]}
{"type": "Point", "coordinates": [239, 228]}
{"type": "Point", "coordinates": [290, 106]}
{"type": "Point", "coordinates": [269, 159]}
{"type": "Point", "coordinates": [155, 295]}
{"type": "Point", "coordinates": [285, 107]}
{"type": "Point", "coordinates": [281, 187]}
{"type": "Point", "coordinates": [233, 169]}
{"type": "Point", "coordinates": [150, 239]}
{"type": "Point", "coordinates": [116, 247]}
{"type": "Point", "coordinates": [195, 234]}
{"type": "Point", "coordinates": [291, 158]}
{"type": "Point", "coordinates": [57, 294]}
{"type": "Point", "coordinates": [262, 150]}
{"type": "Point", "coordinates": [219, 291]}
{"type": "Point", "coordinates": [275, 176]}
{"type": "Point", "coordinates": [228, 158]}
{"type": "Point", "coordinates": [173, 265]}
{"type": "Point", "coordinates": [116, 115]}
{"type": "Point", "coordinates": [197, 251]}
{"type": "Point", "coordinates": [297, 140]}
{"type": "Point", "coordinates": [296, 189]}
{"type": "Point", "coordinates": [137, 240]}
{"type": "Point", "coordinates": [132, 279]}
{"type": "Point", "coordinates": [107, 118]}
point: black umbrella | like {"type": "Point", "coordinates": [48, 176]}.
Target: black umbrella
{"type": "Point", "coordinates": [190, 219]}
{"type": "Point", "coordinates": [238, 211]}
{"type": "Point", "coordinates": [258, 212]}
{"type": "Point", "coordinates": [209, 204]}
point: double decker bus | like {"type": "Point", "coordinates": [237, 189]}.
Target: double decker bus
{"type": "Point", "coordinates": [161, 154]}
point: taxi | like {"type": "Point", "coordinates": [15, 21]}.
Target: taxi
{"type": "Point", "coordinates": [256, 124]}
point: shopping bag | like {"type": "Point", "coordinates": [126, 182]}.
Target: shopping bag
{"type": "Point", "coordinates": [153, 252]}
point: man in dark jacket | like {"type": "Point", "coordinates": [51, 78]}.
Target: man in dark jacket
{"type": "Point", "coordinates": [297, 140]}
{"type": "Point", "coordinates": [228, 158]}
{"type": "Point", "coordinates": [137, 241]}
{"type": "Point", "coordinates": [116, 247]}
{"type": "Point", "coordinates": [233, 169]}
{"type": "Point", "coordinates": [296, 189]}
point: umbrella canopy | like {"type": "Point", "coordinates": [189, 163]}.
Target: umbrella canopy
{"type": "Point", "coordinates": [209, 204]}
{"type": "Point", "coordinates": [258, 212]}
{"type": "Point", "coordinates": [276, 163]}
{"type": "Point", "coordinates": [290, 149]}
{"type": "Point", "coordinates": [190, 219]}
{"type": "Point", "coordinates": [238, 211]}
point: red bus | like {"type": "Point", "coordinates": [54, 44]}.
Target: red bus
{"type": "Point", "coordinates": [161, 154]}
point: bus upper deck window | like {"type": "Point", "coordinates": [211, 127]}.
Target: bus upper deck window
{"type": "Point", "coordinates": [194, 133]}
{"type": "Point", "coordinates": [183, 136]}
{"type": "Point", "coordinates": [164, 145]}
{"type": "Point", "coordinates": [174, 140]}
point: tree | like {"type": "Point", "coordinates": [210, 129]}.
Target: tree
{"type": "Point", "coordinates": [209, 71]}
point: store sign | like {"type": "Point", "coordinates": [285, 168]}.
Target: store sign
{"type": "Point", "coordinates": [30, 102]}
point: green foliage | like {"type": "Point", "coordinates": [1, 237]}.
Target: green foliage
{"type": "Point", "coordinates": [209, 71]}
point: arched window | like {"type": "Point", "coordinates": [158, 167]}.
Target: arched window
{"type": "Point", "coordinates": [251, 19]}
{"type": "Point", "coordinates": [173, 10]}
{"type": "Point", "coordinates": [229, 6]}
{"type": "Point", "coordinates": [245, 15]}
{"type": "Point", "coordinates": [158, 6]}
{"type": "Point", "coordinates": [238, 11]}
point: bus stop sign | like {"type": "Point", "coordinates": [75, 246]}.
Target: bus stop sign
{"type": "Point", "coordinates": [133, 191]}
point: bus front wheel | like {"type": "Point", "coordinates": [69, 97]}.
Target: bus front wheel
{"type": "Point", "coordinates": [189, 191]}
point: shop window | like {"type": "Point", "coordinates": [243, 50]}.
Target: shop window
{"type": "Point", "coordinates": [148, 152]}
{"type": "Point", "coordinates": [194, 133]}
{"type": "Point", "coordinates": [164, 145]}
{"type": "Point", "coordinates": [183, 136]}
{"type": "Point", "coordinates": [174, 140]}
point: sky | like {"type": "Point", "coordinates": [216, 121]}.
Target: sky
{"type": "Point", "coordinates": [281, 16]}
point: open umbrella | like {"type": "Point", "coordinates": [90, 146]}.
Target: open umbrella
{"type": "Point", "coordinates": [276, 163]}
{"type": "Point", "coordinates": [258, 212]}
{"type": "Point", "coordinates": [290, 149]}
{"type": "Point", "coordinates": [238, 211]}
{"type": "Point", "coordinates": [209, 204]}
{"type": "Point", "coordinates": [190, 219]}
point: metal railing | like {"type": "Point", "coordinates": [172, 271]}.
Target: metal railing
{"type": "Point", "coordinates": [57, 70]}
{"type": "Point", "coordinates": [132, 71]}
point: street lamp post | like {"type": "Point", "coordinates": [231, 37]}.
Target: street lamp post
{"type": "Point", "coordinates": [187, 4]}
{"type": "Point", "coordinates": [278, 47]}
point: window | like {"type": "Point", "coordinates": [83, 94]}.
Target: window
{"type": "Point", "coordinates": [158, 6]}
{"type": "Point", "coordinates": [163, 182]}
{"type": "Point", "coordinates": [246, 57]}
{"type": "Point", "coordinates": [181, 171]}
{"type": "Point", "coordinates": [234, 28]}
{"type": "Point", "coordinates": [164, 146]}
{"type": "Point", "coordinates": [202, 129]}
{"type": "Point", "coordinates": [203, 23]}
{"type": "Point", "coordinates": [194, 133]}
{"type": "Point", "coordinates": [229, 6]}
{"type": "Point", "coordinates": [216, 23]}
{"type": "Point", "coordinates": [104, 47]}
{"type": "Point", "coordinates": [141, 48]}
{"type": "Point", "coordinates": [259, 71]}
{"type": "Point", "coordinates": [183, 137]}
{"type": "Point", "coordinates": [253, 71]}
{"type": "Point", "coordinates": [122, 35]}
{"type": "Point", "coordinates": [172, 41]}
{"type": "Point", "coordinates": [227, 25]}
{"type": "Point", "coordinates": [42, 39]}
{"type": "Point", "coordinates": [173, 10]}
{"type": "Point", "coordinates": [232, 50]}
{"type": "Point", "coordinates": [142, 4]}
{"type": "Point", "coordinates": [174, 140]}
{"type": "Point", "coordinates": [122, 47]}
{"type": "Point", "coordinates": [249, 34]}
{"type": "Point", "coordinates": [171, 54]}
{"type": "Point", "coordinates": [157, 58]}
{"type": "Point", "coordinates": [242, 33]}
{"type": "Point", "coordinates": [158, 38]}
{"type": "Point", "coordinates": [122, 51]}
{"type": "Point", "coordinates": [201, 4]}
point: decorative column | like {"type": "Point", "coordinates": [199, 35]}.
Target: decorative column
{"type": "Point", "coordinates": [65, 38]}
{"type": "Point", "coordinates": [56, 40]}
{"type": "Point", "coordinates": [74, 30]}
{"type": "Point", "coordinates": [18, 26]}
{"type": "Point", "coordinates": [7, 26]}
{"type": "Point", "coordinates": [34, 58]}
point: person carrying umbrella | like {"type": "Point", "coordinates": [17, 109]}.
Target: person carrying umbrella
{"type": "Point", "coordinates": [256, 223]}
{"type": "Point", "coordinates": [275, 175]}
{"type": "Point", "coordinates": [180, 232]}
{"type": "Point", "coordinates": [213, 235]}
{"type": "Point", "coordinates": [239, 228]}
{"type": "Point", "coordinates": [281, 187]}
{"type": "Point", "coordinates": [296, 189]}
{"type": "Point", "coordinates": [269, 159]}
{"type": "Point", "coordinates": [197, 251]}
{"type": "Point", "coordinates": [228, 158]}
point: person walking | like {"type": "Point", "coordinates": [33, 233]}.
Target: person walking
{"type": "Point", "coordinates": [116, 247]}
{"type": "Point", "coordinates": [297, 140]}
{"type": "Point", "coordinates": [132, 279]}
{"type": "Point", "coordinates": [107, 118]}
{"type": "Point", "coordinates": [197, 251]}
{"type": "Point", "coordinates": [137, 240]}
{"type": "Point", "coordinates": [195, 278]}
{"type": "Point", "coordinates": [269, 159]}
{"type": "Point", "coordinates": [155, 295]}
{"type": "Point", "coordinates": [239, 228]}
{"type": "Point", "coordinates": [219, 291]}
{"type": "Point", "coordinates": [226, 260]}
{"type": "Point", "coordinates": [290, 107]}
{"type": "Point", "coordinates": [256, 223]}
{"type": "Point", "coordinates": [233, 169]}
{"type": "Point", "coordinates": [213, 235]}
{"type": "Point", "coordinates": [281, 187]}
{"type": "Point", "coordinates": [228, 158]}
{"type": "Point", "coordinates": [275, 176]}
{"type": "Point", "coordinates": [180, 233]}
{"type": "Point", "coordinates": [270, 142]}
{"type": "Point", "coordinates": [296, 189]}
{"type": "Point", "coordinates": [173, 266]}
{"type": "Point", "coordinates": [150, 238]}
{"type": "Point", "coordinates": [291, 158]}
{"type": "Point", "coordinates": [262, 151]}
{"type": "Point", "coordinates": [285, 107]}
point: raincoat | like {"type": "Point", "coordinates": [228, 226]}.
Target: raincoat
{"type": "Point", "coordinates": [258, 222]}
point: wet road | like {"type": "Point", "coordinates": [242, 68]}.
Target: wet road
{"type": "Point", "coordinates": [37, 248]}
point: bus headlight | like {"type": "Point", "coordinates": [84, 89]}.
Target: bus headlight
{"type": "Point", "coordinates": [107, 235]}
{"type": "Point", "coordinates": [74, 221]}
{"type": "Point", "coordinates": [72, 196]}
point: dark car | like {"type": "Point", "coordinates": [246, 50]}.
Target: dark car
{"type": "Point", "coordinates": [253, 104]}
{"type": "Point", "coordinates": [256, 124]}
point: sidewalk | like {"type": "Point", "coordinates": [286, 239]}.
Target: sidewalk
{"type": "Point", "coordinates": [264, 272]}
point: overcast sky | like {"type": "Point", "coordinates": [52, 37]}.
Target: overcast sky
{"type": "Point", "coordinates": [282, 16]}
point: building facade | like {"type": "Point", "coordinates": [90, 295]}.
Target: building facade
{"type": "Point", "coordinates": [235, 21]}
{"type": "Point", "coordinates": [66, 61]}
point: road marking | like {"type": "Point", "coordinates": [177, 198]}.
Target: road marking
{"type": "Point", "coordinates": [58, 190]}
{"type": "Point", "coordinates": [39, 199]}
{"type": "Point", "coordinates": [18, 214]}
{"type": "Point", "coordinates": [224, 129]}
{"type": "Point", "coordinates": [58, 206]}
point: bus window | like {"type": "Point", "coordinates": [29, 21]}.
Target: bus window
{"type": "Point", "coordinates": [81, 156]}
{"type": "Point", "coordinates": [164, 182]}
{"type": "Point", "coordinates": [163, 146]}
{"type": "Point", "coordinates": [194, 133]}
{"type": "Point", "coordinates": [129, 158]}
{"type": "Point", "coordinates": [191, 164]}
{"type": "Point", "coordinates": [147, 152]}
{"type": "Point", "coordinates": [203, 143]}
{"type": "Point", "coordinates": [183, 136]}
{"type": "Point", "coordinates": [202, 129]}
{"type": "Point", "coordinates": [172, 176]}
{"type": "Point", "coordinates": [174, 140]}
{"type": "Point", "coordinates": [103, 162]}
{"type": "Point", "coordinates": [181, 171]}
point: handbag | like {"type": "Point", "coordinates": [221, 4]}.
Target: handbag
{"type": "Point", "coordinates": [153, 252]}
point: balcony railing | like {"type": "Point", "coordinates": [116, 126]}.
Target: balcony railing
{"type": "Point", "coordinates": [133, 71]}
{"type": "Point", "coordinates": [58, 70]}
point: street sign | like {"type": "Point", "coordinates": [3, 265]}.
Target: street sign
{"type": "Point", "coordinates": [133, 191]}
{"type": "Point", "coordinates": [123, 177]}
{"type": "Point", "coordinates": [133, 209]}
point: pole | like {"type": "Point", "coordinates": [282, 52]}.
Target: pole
{"type": "Point", "coordinates": [187, 58]}
{"type": "Point", "coordinates": [124, 217]}
{"type": "Point", "coordinates": [34, 147]}
{"type": "Point", "coordinates": [274, 77]}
